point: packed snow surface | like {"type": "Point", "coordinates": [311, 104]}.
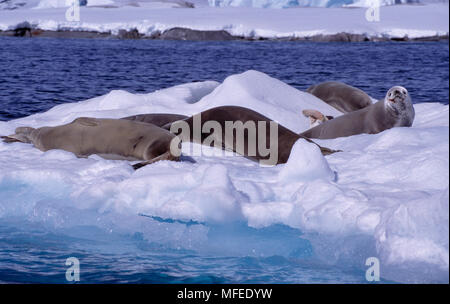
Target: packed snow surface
{"type": "Point", "coordinates": [384, 195]}
{"type": "Point", "coordinates": [150, 17]}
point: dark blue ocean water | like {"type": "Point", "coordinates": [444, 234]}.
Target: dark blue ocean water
{"type": "Point", "coordinates": [37, 74]}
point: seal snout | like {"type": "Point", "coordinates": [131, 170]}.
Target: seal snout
{"type": "Point", "coordinates": [397, 94]}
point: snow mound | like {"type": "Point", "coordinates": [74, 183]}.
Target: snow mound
{"type": "Point", "coordinates": [304, 164]}
{"type": "Point", "coordinates": [268, 96]}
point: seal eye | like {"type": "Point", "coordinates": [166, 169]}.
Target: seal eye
{"type": "Point", "coordinates": [404, 92]}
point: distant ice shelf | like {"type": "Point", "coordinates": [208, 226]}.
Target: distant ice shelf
{"type": "Point", "coordinates": [150, 19]}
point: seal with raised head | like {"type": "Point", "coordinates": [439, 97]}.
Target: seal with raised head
{"type": "Point", "coordinates": [395, 110]}
{"type": "Point", "coordinates": [341, 96]}
{"type": "Point", "coordinates": [109, 138]}
{"type": "Point", "coordinates": [255, 129]}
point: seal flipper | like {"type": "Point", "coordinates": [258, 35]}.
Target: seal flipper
{"type": "Point", "coordinates": [87, 121]}
{"type": "Point", "coordinates": [141, 164]}
{"type": "Point", "coordinates": [9, 139]}
{"type": "Point", "coordinates": [323, 150]}
{"type": "Point", "coordinates": [168, 125]}
{"type": "Point", "coordinates": [327, 151]}
{"type": "Point", "coordinates": [315, 117]}
{"type": "Point", "coordinates": [165, 156]}
{"type": "Point", "coordinates": [22, 135]}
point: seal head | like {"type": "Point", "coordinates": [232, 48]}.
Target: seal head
{"type": "Point", "coordinates": [395, 110]}
{"type": "Point", "coordinates": [398, 104]}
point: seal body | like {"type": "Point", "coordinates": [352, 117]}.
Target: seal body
{"type": "Point", "coordinates": [395, 110]}
{"type": "Point", "coordinates": [109, 138]}
{"type": "Point", "coordinates": [158, 119]}
{"type": "Point", "coordinates": [341, 96]}
{"type": "Point", "coordinates": [246, 121]}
